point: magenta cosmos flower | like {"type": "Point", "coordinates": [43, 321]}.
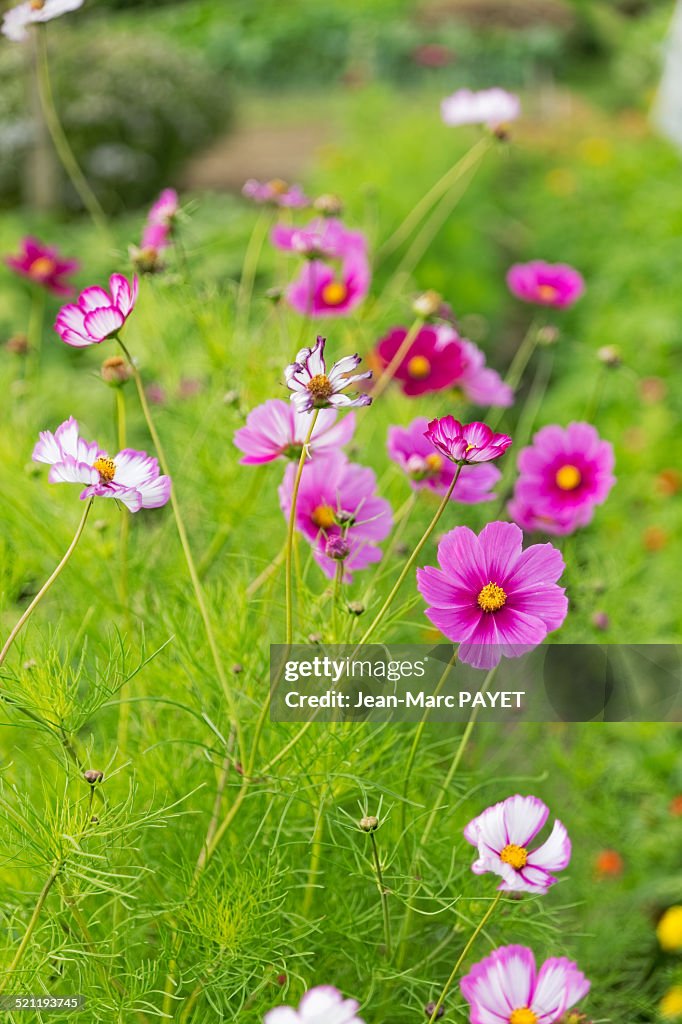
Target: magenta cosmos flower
{"type": "Point", "coordinates": [438, 359]}
{"type": "Point", "coordinates": [545, 284]}
{"type": "Point", "coordinates": [17, 20]}
{"type": "Point", "coordinates": [507, 988]}
{"type": "Point", "coordinates": [466, 443]}
{"type": "Point", "coordinates": [563, 475]}
{"type": "Point", "coordinates": [43, 265]}
{"type": "Point", "coordinates": [321, 1005]}
{"type": "Point", "coordinates": [97, 315]}
{"type": "Point", "coordinates": [337, 501]}
{"type": "Point", "coordinates": [502, 834]}
{"type": "Point", "coordinates": [491, 107]}
{"type": "Point", "coordinates": [275, 192]}
{"type": "Point", "coordinates": [276, 430]}
{"type": "Point", "coordinates": [426, 469]}
{"type": "Point", "coordinates": [130, 477]}
{"type": "Point", "coordinates": [492, 597]}
{"type": "Point", "coordinates": [314, 388]}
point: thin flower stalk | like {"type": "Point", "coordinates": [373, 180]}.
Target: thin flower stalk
{"type": "Point", "coordinates": [290, 533]}
{"type": "Point", "coordinates": [252, 256]}
{"type": "Point", "coordinates": [383, 894]}
{"type": "Point", "coordinates": [387, 376]}
{"type": "Point", "coordinates": [30, 927]}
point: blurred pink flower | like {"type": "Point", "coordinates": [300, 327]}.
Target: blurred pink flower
{"type": "Point", "coordinates": [97, 315]}
{"type": "Point", "coordinates": [546, 284]}
{"type": "Point", "coordinates": [466, 442]}
{"type": "Point", "coordinates": [165, 209]}
{"type": "Point", "coordinates": [563, 475]}
{"type": "Point", "coordinates": [131, 477]}
{"type": "Point", "coordinates": [490, 596]}
{"type": "Point", "coordinates": [314, 388]}
{"type": "Point", "coordinates": [433, 55]}
{"type": "Point", "coordinates": [321, 1005]}
{"type": "Point", "coordinates": [43, 265]}
{"type": "Point", "coordinates": [17, 20]}
{"type": "Point", "coordinates": [502, 834]}
{"type": "Point", "coordinates": [507, 988]}
{"type": "Point", "coordinates": [276, 430]}
{"type": "Point", "coordinates": [413, 452]}
{"type": "Point", "coordinates": [275, 192]}
{"type": "Point", "coordinates": [337, 499]}
{"type": "Point", "coordinates": [491, 107]}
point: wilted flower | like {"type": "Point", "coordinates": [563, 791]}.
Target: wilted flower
{"type": "Point", "coordinates": [491, 596]}
{"type": "Point", "coordinates": [131, 477]}
{"type": "Point", "coordinates": [337, 498]}
{"type": "Point", "coordinates": [669, 930]}
{"type": "Point", "coordinates": [16, 21]}
{"type": "Point", "coordinates": [97, 315]}
{"type": "Point", "coordinates": [43, 265]}
{"type": "Point", "coordinates": [426, 469]}
{"type": "Point", "coordinates": [275, 192]}
{"type": "Point", "coordinates": [563, 476]}
{"type": "Point", "coordinates": [466, 443]}
{"type": "Point", "coordinates": [321, 1005]}
{"type": "Point", "coordinates": [546, 284]}
{"type": "Point", "coordinates": [314, 388]}
{"type": "Point", "coordinates": [276, 430]}
{"type": "Point", "coordinates": [439, 359]}
{"type": "Point", "coordinates": [507, 988]}
{"type": "Point", "coordinates": [491, 107]}
{"type": "Point", "coordinates": [502, 834]}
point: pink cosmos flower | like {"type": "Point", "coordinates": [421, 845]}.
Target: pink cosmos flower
{"type": "Point", "coordinates": [314, 388]}
{"type": "Point", "coordinates": [275, 192]}
{"type": "Point", "coordinates": [413, 452]}
{"type": "Point", "coordinates": [165, 209]}
{"type": "Point", "coordinates": [337, 499]}
{"type": "Point", "coordinates": [43, 265]}
{"type": "Point", "coordinates": [502, 834]}
{"type": "Point", "coordinates": [321, 238]}
{"type": "Point", "coordinates": [321, 1005]}
{"type": "Point", "coordinates": [546, 284]}
{"type": "Point", "coordinates": [156, 235]}
{"type": "Point", "coordinates": [97, 315]}
{"type": "Point", "coordinates": [275, 430]}
{"type": "Point", "coordinates": [491, 596]}
{"type": "Point", "coordinates": [507, 988]}
{"type": "Point", "coordinates": [563, 475]}
{"type": "Point", "coordinates": [438, 359]}
{"type": "Point", "coordinates": [491, 107]}
{"type": "Point", "coordinates": [131, 477]}
{"type": "Point", "coordinates": [16, 21]}
{"type": "Point", "coordinates": [466, 442]}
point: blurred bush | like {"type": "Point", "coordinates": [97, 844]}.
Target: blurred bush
{"type": "Point", "coordinates": [133, 106]}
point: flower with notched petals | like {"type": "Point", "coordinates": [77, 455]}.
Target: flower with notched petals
{"type": "Point", "coordinates": [314, 388]}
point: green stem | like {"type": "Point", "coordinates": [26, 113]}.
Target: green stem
{"type": "Point", "coordinates": [315, 859]}
{"type": "Point", "coordinates": [35, 325]}
{"type": "Point", "coordinates": [46, 586]}
{"type": "Point", "coordinates": [460, 960]}
{"type": "Point", "coordinates": [61, 143]}
{"type": "Point", "coordinates": [411, 560]}
{"type": "Point", "coordinates": [187, 551]}
{"type": "Point", "coordinates": [383, 893]}
{"type": "Point", "coordinates": [30, 928]}
{"type": "Point", "coordinates": [389, 373]}
{"type": "Point", "coordinates": [523, 356]}
{"type": "Point", "coordinates": [290, 531]}
{"type": "Point", "coordinates": [249, 270]}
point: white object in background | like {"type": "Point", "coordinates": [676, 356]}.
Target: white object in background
{"type": "Point", "coordinates": [667, 112]}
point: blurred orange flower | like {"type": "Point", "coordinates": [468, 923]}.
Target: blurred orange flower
{"type": "Point", "coordinates": [608, 864]}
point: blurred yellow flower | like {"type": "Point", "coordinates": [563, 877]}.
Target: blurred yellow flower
{"type": "Point", "coordinates": [670, 1006]}
{"type": "Point", "coordinates": [595, 151]}
{"type": "Point", "coordinates": [669, 930]}
{"type": "Point", "coordinates": [561, 182]}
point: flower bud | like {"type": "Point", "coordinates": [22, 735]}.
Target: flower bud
{"type": "Point", "coordinates": [356, 608]}
{"type": "Point", "coordinates": [369, 824]}
{"type": "Point", "coordinates": [146, 260]}
{"type": "Point", "coordinates": [115, 371]}
{"type": "Point", "coordinates": [548, 335]}
{"type": "Point", "coordinates": [328, 205]}
{"type": "Point", "coordinates": [601, 621]}
{"type": "Point", "coordinates": [337, 548]}
{"type": "Point", "coordinates": [237, 668]}
{"type": "Point", "coordinates": [93, 776]}
{"type": "Point", "coordinates": [17, 345]}
{"type": "Point", "coordinates": [573, 1017]}
{"type": "Point", "coordinates": [430, 1007]}
{"type": "Point", "coordinates": [427, 304]}
{"type": "Point", "coordinates": [274, 294]}
{"type": "Point", "coordinates": [609, 355]}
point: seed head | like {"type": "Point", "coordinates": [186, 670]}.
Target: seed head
{"type": "Point", "coordinates": [369, 824]}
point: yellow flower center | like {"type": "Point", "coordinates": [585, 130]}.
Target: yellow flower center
{"type": "Point", "coordinates": [434, 462]}
{"type": "Point", "coordinates": [334, 293]}
{"type": "Point", "coordinates": [491, 598]}
{"type": "Point", "coordinates": [37, 5]}
{"type": "Point", "coordinates": [106, 469]}
{"type": "Point", "coordinates": [516, 856]}
{"type": "Point", "coordinates": [320, 387]}
{"type": "Point", "coordinates": [524, 1015]}
{"type": "Point", "coordinates": [568, 477]}
{"type": "Point", "coordinates": [419, 367]}
{"type": "Point", "coordinates": [278, 186]}
{"type": "Point", "coordinates": [43, 266]}
{"type": "Point", "coordinates": [547, 292]}
{"type": "Point", "coordinates": [323, 517]}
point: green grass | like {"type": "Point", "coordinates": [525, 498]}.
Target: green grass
{"type": "Point", "coordinates": [289, 898]}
